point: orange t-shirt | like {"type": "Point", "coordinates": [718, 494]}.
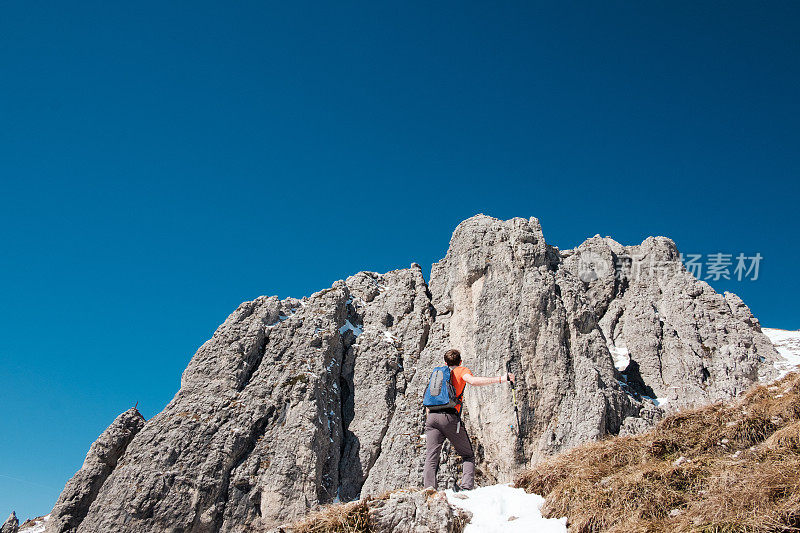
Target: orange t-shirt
{"type": "Point", "coordinates": [458, 381]}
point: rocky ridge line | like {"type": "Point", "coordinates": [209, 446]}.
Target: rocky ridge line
{"type": "Point", "coordinates": [297, 402]}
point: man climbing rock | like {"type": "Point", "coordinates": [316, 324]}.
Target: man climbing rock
{"type": "Point", "coordinates": [443, 400]}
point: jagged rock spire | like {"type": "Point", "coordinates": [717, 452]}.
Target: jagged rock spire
{"type": "Point", "coordinates": [11, 525]}
{"type": "Point", "coordinates": [104, 455]}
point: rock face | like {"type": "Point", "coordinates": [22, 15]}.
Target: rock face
{"type": "Point", "coordinates": [412, 510]}
{"type": "Point", "coordinates": [11, 525]}
{"type": "Point", "coordinates": [73, 503]}
{"type": "Point", "coordinates": [416, 512]}
{"type": "Point", "coordinates": [671, 334]}
{"type": "Point", "coordinates": [293, 403]}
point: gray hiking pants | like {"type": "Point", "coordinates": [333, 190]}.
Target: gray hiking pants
{"type": "Point", "coordinates": [440, 426]}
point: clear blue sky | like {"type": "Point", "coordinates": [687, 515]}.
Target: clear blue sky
{"type": "Point", "coordinates": [163, 161]}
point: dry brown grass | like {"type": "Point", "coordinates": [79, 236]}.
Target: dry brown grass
{"type": "Point", "coordinates": [353, 517]}
{"type": "Point", "coordinates": [718, 469]}
{"type": "Point", "coordinates": [350, 517]}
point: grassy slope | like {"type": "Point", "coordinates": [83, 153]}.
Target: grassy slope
{"type": "Point", "coordinates": [722, 468]}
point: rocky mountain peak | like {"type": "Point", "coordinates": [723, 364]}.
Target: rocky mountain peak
{"type": "Point", "coordinates": [297, 402]}
{"type": "Point", "coordinates": [11, 525]}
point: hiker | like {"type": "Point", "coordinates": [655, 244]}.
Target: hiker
{"type": "Point", "coordinates": [443, 417]}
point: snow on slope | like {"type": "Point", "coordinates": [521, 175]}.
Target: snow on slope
{"type": "Point", "coordinates": [788, 345]}
{"type": "Point", "coordinates": [502, 508]}
{"type": "Point", "coordinates": [35, 526]}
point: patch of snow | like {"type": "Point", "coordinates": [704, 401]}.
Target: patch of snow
{"type": "Point", "coordinates": [355, 329]}
{"type": "Point", "coordinates": [37, 526]}
{"type": "Point", "coordinates": [787, 343]}
{"type": "Point", "coordinates": [282, 317]}
{"type": "Point", "coordinates": [620, 355]}
{"type": "Point", "coordinates": [681, 460]}
{"type": "Point", "coordinates": [503, 508]}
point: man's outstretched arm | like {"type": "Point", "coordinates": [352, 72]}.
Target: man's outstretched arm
{"type": "Point", "coordinates": [480, 381]}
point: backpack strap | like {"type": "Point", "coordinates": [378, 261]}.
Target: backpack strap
{"type": "Point", "coordinates": [460, 397]}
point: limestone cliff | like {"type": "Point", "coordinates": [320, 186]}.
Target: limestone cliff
{"type": "Point", "coordinates": [298, 402]}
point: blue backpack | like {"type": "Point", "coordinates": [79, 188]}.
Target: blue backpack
{"type": "Point", "coordinates": [441, 393]}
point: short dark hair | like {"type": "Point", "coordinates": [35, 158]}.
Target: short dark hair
{"type": "Point", "coordinates": [452, 357]}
